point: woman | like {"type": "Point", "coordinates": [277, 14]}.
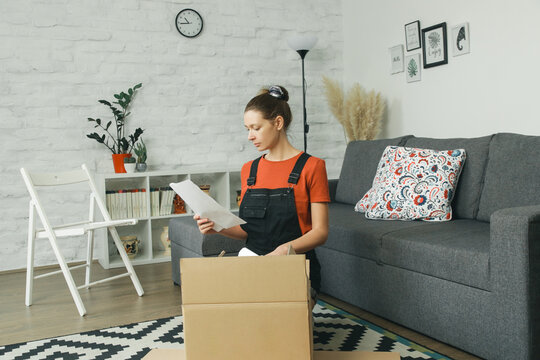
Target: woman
{"type": "Point", "coordinates": [284, 192]}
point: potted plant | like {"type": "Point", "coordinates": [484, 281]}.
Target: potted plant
{"type": "Point", "coordinates": [119, 144]}
{"type": "Point", "coordinates": [140, 151]}
{"type": "Point", "coordinates": [129, 164]}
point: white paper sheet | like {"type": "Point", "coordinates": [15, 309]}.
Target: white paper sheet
{"type": "Point", "coordinates": [205, 206]}
{"type": "Point", "coordinates": [246, 252]}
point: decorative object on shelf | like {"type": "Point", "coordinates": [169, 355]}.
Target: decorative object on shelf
{"type": "Point", "coordinates": [140, 151]}
{"type": "Point", "coordinates": [131, 245]}
{"type": "Point", "coordinates": [206, 189]}
{"type": "Point", "coordinates": [179, 205]}
{"type": "Point", "coordinates": [164, 237]}
{"type": "Point", "coordinates": [141, 167]}
{"type": "Point", "coordinates": [120, 144]}
{"type": "Point", "coordinates": [189, 23]}
{"type": "Point", "coordinates": [238, 197]}
{"type": "Point", "coordinates": [302, 44]}
{"type": "Point", "coordinates": [118, 162]}
{"type": "Point", "coordinates": [129, 164]}
{"type": "Point", "coordinates": [360, 112]}
{"type": "Point", "coordinates": [413, 68]}
{"type": "Point", "coordinates": [396, 59]}
{"type": "Point", "coordinates": [435, 49]}
{"type": "Point", "coordinates": [461, 39]}
{"type": "Point", "coordinates": [412, 35]}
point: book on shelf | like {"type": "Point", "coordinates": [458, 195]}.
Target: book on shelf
{"type": "Point", "coordinates": [161, 200]}
{"type": "Point", "coordinates": [132, 203]}
{"type": "Point", "coordinates": [126, 203]}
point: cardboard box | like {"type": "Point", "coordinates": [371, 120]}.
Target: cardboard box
{"type": "Point", "coordinates": [246, 308]}
{"type": "Point", "coordinates": [179, 354]}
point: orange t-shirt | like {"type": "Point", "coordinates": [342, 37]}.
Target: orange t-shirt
{"type": "Point", "coordinates": [312, 186]}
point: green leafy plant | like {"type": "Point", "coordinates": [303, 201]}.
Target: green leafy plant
{"type": "Point", "coordinates": [129, 160]}
{"type": "Point", "coordinates": [412, 68]}
{"type": "Point", "coordinates": [140, 151]}
{"type": "Point", "coordinates": [120, 144]}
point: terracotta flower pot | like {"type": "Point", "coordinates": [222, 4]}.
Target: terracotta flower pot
{"type": "Point", "coordinates": [118, 162]}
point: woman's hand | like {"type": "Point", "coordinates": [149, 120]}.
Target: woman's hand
{"type": "Point", "coordinates": [280, 250]}
{"type": "Point", "coordinates": [205, 225]}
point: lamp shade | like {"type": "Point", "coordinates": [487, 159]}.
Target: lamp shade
{"type": "Point", "coordinates": [302, 42]}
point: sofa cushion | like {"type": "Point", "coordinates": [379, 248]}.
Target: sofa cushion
{"type": "Point", "coordinates": [512, 174]}
{"type": "Point", "coordinates": [359, 167]}
{"type": "Point", "coordinates": [183, 231]}
{"type": "Point", "coordinates": [350, 232]}
{"type": "Point", "coordinates": [467, 196]}
{"type": "Point", "coordinates": [457, 251]}
{"type": "Point", "coordinates": [413, 183]}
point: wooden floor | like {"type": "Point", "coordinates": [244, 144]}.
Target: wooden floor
{"type": "Point", "coordinates": [53, 312]}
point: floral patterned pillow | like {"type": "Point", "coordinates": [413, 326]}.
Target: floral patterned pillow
{"type": "Point", "coordinates": [413, 184]}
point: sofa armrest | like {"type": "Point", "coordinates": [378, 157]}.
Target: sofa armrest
{"type": "Point", "coordinates": [515, 270]}
{"type": "Point", "coordinates": [332, 186]}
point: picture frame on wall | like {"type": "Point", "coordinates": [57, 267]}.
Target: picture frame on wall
{"type": "Point", "coordinates": [412, 35]}
{"type": "Point", "coordinates": [434, 45]}
{"type": "Point", "coordinates": [396, 59]}
{"type": "Point", "coordinates": [461, 39]}
{"type": "Point", "coordinates": [412, 68]}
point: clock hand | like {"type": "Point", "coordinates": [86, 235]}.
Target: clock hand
{"type": "Point", "coordinates": [185, 23]}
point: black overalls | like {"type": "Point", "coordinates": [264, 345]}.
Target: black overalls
{"type": "Point", "coordinates": [272, 219]}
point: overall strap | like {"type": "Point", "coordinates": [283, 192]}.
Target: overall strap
{"type": "Point", "coordinates": [253, 172]}
{"type": "Point", "coordinates": [297, 170]}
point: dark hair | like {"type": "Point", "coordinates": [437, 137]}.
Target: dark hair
{"type": "Point", "coordinates": [272, 102]}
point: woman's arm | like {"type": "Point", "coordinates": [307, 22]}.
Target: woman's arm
{"type": "Point", "coordinates": [205, 227]}
{"type": "Point", "coordinates": [313, 238]}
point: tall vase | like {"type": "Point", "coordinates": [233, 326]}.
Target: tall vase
{"type": "Point", "coordinates": [118, 162]}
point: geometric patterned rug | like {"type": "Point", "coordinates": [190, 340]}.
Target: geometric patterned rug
{"type": "Point", "coordinates": [333, 329]}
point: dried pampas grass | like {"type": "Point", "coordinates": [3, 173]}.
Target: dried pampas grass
{"type": "Point", "coordinates": [360, 113]}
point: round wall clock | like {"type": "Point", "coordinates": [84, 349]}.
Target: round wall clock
{"type": "Point", "coordinates": [189, 23]}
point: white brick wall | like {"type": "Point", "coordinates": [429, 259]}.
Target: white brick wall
{"type": "Point", "coordinates": [58, 57]}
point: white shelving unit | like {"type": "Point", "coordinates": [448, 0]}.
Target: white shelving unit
{"type": "Point", "coordinates": [223, 188]}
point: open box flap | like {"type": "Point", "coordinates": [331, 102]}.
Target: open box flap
{"type": "Point", "coordinates": [226, 280]}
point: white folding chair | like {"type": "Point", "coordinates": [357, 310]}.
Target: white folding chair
{"type": "Point", "coordinates": [35, 180]}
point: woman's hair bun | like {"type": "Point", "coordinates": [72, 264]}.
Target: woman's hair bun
{"type": "Point", "coordinates": [277, 91]}
{"type": "Point", "coordinates": [271, 102]}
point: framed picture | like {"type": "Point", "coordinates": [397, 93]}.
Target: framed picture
{"type": "Point", "coordinates": [461, 39]}
{"type": "Point", "coordinates": [396, 59]}
{"type": "Point", "coordinates": [412, 35]}
{"type": "Point", "coordinates": [434, 45]}
{"type": "Point", "coordinates": [412, 67]}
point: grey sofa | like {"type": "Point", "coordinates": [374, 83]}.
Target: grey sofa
{"type": "Point", "coordinates": [473, 282]}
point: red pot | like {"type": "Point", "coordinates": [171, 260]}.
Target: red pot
{"type": "Point", "coordinates": [118, 162]}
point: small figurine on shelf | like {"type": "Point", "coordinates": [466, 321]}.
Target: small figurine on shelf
{"type": "Point", "coordinates": [179, 205]}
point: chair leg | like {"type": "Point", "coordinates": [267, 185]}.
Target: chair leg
{"type": "Point", "coordinates": [30, 256]}
{"type": "Point", "coordinates": [89, 257]}
{"type": "Point", "coordinates": [90, 249]}
{"type": "Point", "coordinates": [127, 262]}
{"type": "Point", "coordinates": [67, 275]}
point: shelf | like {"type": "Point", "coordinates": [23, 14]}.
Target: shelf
{"type": "Point", "coordinates": [223, 188]}
{"type": "Point", "coordinates": [170, 216]}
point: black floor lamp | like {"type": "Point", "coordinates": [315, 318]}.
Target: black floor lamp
{"type": "Point", "coordinates": [302, 44]}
